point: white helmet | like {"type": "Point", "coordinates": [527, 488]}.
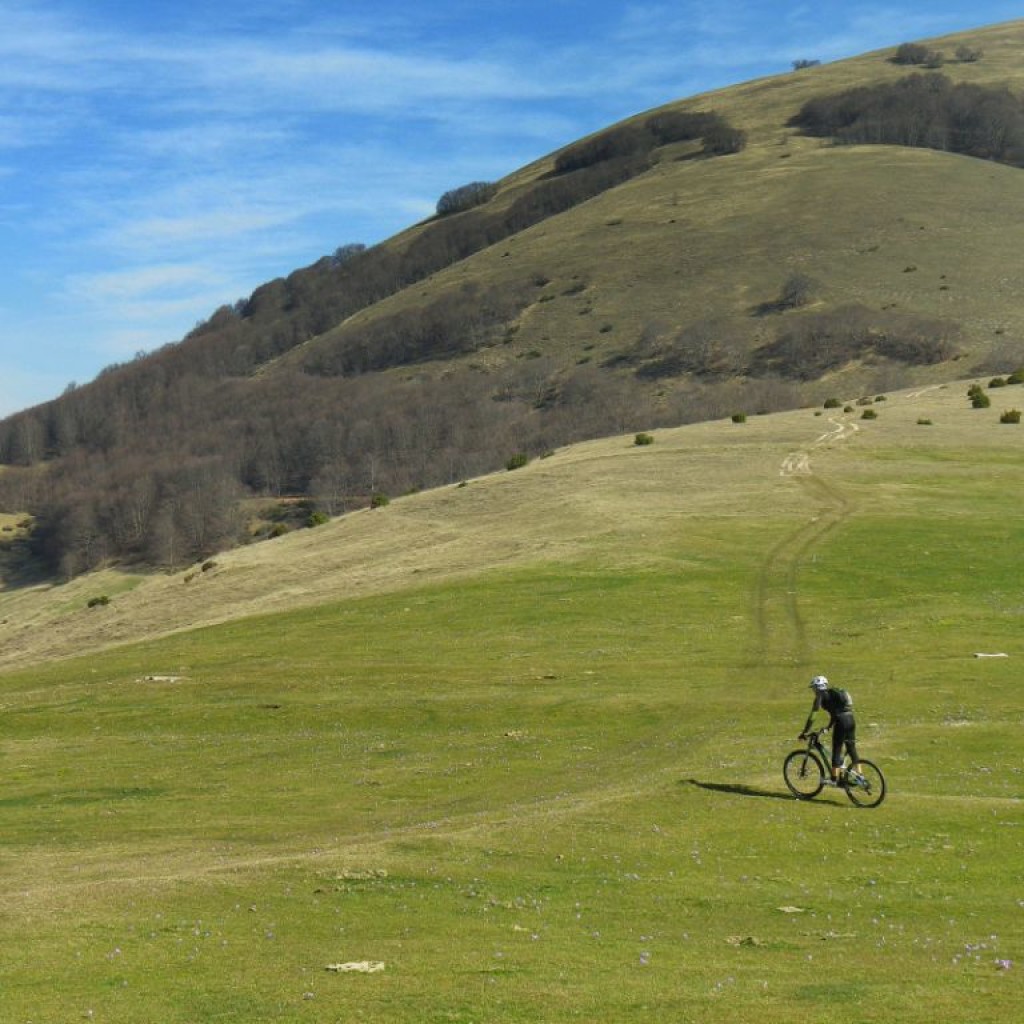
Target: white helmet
{"type": "Point", "coordinates": [819, 683]}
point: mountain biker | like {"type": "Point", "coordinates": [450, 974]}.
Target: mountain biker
{"type": "Point", "coordinates": [841, 721]}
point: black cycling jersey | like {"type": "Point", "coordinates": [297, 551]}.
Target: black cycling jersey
{"type": "Point", "coordinates": [832, 701]}
{"type": "Point", "coordinates": [841, 721]}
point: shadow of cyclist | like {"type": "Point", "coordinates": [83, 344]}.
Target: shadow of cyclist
{"type": "Point", "coordinates": [739, 789]}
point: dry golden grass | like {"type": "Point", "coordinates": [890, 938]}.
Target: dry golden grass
{"type": "Point", "coordinates": [606, 501]}
{"type": "Point", "coordinates": [713, 239]}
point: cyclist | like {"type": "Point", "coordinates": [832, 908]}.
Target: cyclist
{"type": "Point", "coordinates": [839, 706]}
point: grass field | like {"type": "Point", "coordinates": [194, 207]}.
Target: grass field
{"type": "Point", "coordinates": [520, 743]}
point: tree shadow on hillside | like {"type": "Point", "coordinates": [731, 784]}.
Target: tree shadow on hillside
{"type": "Point", "coordinates": [740, 789]}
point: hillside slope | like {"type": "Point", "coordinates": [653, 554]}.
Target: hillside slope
{"type": "Point", "coordinates": [650, 299]}
{"type": "Point", "coordinates": [607, 501]}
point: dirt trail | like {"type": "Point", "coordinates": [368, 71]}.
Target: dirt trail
{"type": "Point", "coordinates": [780, 631]}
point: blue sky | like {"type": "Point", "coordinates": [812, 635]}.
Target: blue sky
{"type": "Point", "coordinates": [158, 159]}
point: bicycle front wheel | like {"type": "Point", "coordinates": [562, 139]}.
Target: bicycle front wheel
{"type": "Point", "coordinates": [868, 788]}
{"type": "Point", "coordinates": [804, 774]}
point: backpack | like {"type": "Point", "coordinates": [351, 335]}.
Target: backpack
{"type": "Point", "coordinates": [842, 699]}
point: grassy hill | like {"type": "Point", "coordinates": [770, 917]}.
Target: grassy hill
{"type": "Point", "coordinates": [468, 339]}
{"type": "Point", "coordinates": [695, 240]}
{"type": "Point", "coordinates": [513, 748]}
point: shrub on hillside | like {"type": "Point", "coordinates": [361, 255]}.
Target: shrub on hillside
{"type": "Point", "coordinates": [1017, 377]}
{"type": "Point", "coordinates": [739, 417]}
{"type": "Point", "coordinates": [465, 197]}
{"type": "Point", "coordinates": [817, 343]}
{"type": "Point", "coordinates": [679, 125]}
{"type": "Point", "coordinates": [379, 500]}
{"type": "Point", "coordinates": [346, 253]}
{"type": "Point", "coordinates": [967, 54]}
{"type": "Point", "coordinates": [614, 143]}
{"type": "Point", "coordinates": [917, 53]}
{"type": "Point", "coordinates": [722, 139]}
{"type": "Point", "coordinates": [1010, 416]}
{"type": "Point", "coordinates": [832, 403]}
{"type": "Point", "coordinates": [631, 144]}
{"type": "Point", "coordinates": [797, 290]}
{"type": "Point", "coordinates": [869, 414]}
{"type": "Point", "coordinates": [643, 439]}
{"type": "Point", "coordinates": [922, 110]}
{"type": "Point", "coordinates": [979, 400]}
{"type": "Point", "coordinates": [98, 602]}
{"type": "Point", "coordinates": [517, 461]}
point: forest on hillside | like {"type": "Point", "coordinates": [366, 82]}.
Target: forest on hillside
{"type": "Point", "coordinates": [150, 461]}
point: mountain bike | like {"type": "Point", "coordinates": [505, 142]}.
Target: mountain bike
{"type": "Point", "coordinates": [807, 773]}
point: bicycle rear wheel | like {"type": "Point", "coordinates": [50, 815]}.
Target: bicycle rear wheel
{"type": "Point", "coordinates": [804, 774]}
{"type": "Point", "coordinates": [868, 788]}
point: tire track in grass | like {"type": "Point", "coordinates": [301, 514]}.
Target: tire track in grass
{"type": "Point", "coordinates": [779, 625]}
{"type": "Point", "coordinates": [172, 867]}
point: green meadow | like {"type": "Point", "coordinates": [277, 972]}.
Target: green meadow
{"type": "Point", "coordinates": [551, 790]}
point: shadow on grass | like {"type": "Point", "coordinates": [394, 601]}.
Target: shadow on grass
{"type": "Point", "coordinates": [740, 789]}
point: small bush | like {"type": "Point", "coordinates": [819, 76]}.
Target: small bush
{"type": "Point", "coordinates": [317, 518]}
{"type": "Point", "coordinates": [967, 54]}
{"type": "Point", "coordinates": [458, 200]}
{"type": "Point", "coordinates": [739, 417]}
{"type": "Point", "coordinates": [517, 461]}
{"type": "Point", "coordinates": [1010, 416]}
{"type": "Point", "coordinates": [997, 382]}
{"type": "Point", "coordinates": [797, 290]}
{"type": "Point", "coordinates": [721, 139]}
{"type": "Point", "coordinates": [103, 600]}
{"type": "Point", "coordinates": [379, 500]}
{"type": "Point", "coordinates": [979, 400]}
{"type": "Point", "coordinates": [869, 414]}
{"type": "Point", "coordinates": [915, 53]}
{"type": "Point", "coordinates": [832, 403]}
{"type": "Point", "coordinates": [642, 439]}
{"type": "Point", "coordinates": [1017, 377]}
{"type": "Point", "coordinates": [922, 422]}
